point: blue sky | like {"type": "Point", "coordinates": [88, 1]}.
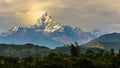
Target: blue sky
{"type": "Point", "coordinates": [86, 14]}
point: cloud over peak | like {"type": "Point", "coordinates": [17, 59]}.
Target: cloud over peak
{"type": "Point", "coordinates": [86, 14]}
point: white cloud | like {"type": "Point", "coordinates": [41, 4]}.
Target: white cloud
{"type": "Point", "coordinates": [116, 25]}
{"type": "Point", "coordinates": [86, 14]}
{"type": "Point", "coordinates": [9, 1]}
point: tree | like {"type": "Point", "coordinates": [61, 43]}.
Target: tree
{"type": "Point", "coordinates": [84, 63]}
{"type": "Point", "coordinates": [77, 48]}
{"type": "Point", "coordinates": [100, 53]}
{"type": "Point", "coordinates": [118, 54]}
{"type": "Point", "coordinates": [112, 53]}
{"type": "Point", "coordinates": [73, 51]}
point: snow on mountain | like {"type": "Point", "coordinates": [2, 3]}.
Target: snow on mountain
{"type": "Point", "coordinates": [96, 32]}
{"type": "Point", "coordinates": [47, 32]}
{"type": "Point", "coordinates": [47, 23]}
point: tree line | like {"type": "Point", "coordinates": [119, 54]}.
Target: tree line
{"type": "Point", "coordinates": [76, 59]}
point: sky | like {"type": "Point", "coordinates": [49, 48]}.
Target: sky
{"type": "Point", "coordinates": [85, 14]}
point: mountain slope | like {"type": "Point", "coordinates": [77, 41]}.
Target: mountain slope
{"type": "Point", "coordinates": [47, 32]}
{"type": "Point", "coordinates": [107, 42]}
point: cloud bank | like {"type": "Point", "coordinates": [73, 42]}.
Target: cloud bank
{"type": "Point", "coordinates": [86, 14]}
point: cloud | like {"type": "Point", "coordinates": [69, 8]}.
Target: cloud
{"type": "Point", "coordinates": [116, 25]}
{"type": "Point", "coordinates": [86, 14]}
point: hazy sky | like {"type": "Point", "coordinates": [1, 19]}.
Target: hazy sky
{"type": "Point", "coordinates": [86, 14]}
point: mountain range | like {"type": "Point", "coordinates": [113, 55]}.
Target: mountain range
{"type": "Point", "coordinates": [47, 32]}
{"type": "Point", "coordinates": [106, 42]}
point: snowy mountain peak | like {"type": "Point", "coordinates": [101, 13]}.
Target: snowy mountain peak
{"type": "Point", "coordinates": [47, 23]}
{"type": "Point", "coordinates": [44, 19]}
{"type": "Point", "coordinates": [15, 28]}
{"type": "Point", "coordinates": [47, 32]}
{"type": "Point", "coordinates": [45, 14]}
{"type": "Point", "coordinates": [96, 33]}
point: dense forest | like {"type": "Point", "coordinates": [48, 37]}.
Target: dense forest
{"type": "Point", "coordinates": [76, 59]}
{"type": "Point", "coordinates": [27, 50]}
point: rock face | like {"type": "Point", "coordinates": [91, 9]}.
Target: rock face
{"type": "Point", "coordinates": [47, 32]}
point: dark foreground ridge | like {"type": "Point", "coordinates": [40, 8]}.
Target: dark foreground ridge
{"type": "Point", "coordinates": [76, 59]}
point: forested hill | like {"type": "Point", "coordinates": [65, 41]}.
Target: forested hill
{"type": "Point", "coordinates": [27, 50]}
{"type": "Point", "coordinates": [23, 50]}
{"type": "Point", "coordinates": [76, 59]}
